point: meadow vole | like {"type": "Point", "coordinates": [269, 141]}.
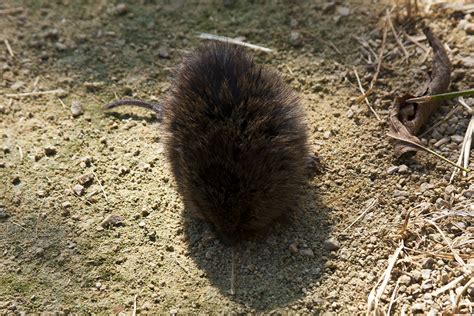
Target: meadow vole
{"type": "Point", "coordinates": [235, 138]}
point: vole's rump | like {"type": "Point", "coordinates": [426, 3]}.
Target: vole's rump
{"type": "Point", "coordinates": [236, 140]}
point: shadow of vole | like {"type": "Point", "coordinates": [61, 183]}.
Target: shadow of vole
{"type": "Point", "coordinates": [268, 274]}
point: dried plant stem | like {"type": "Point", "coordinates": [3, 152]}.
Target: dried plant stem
{"type": "Point", "coordinates": [31, 94]}
{"type": "Point", "coordinates": [441, 96]}
{"type": "Point", "coordinates": [363, 92]}
{"type": "Point", "coordinates": [392, 298]}
{"type": "Point", "coordinates": [368, 208]}
{"type": "Point", "coordinates": [448, 286]}
{"type": "Point", "coordinates": [428, 150]}
{"type": "Point", "coordinates": [134, 313]}
{"type": "Point", "coordinates": [11, 11]}
{"type": "Point", "coordinates": [397, 38]}
{"type": "Point", "coordinates": [10, 51]}
{"type": "Point", "coordinates": [460, 294]}
{"type": "Point", "coordinates": [232, 41]}
{"type": "Point", "coordinates": [453, 251]}
{"type": "Point", "coordinates": [375, 295]}
{"type": "Point", "coordinates": [382, 49]}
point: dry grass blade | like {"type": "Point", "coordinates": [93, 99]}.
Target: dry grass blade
{"type": "Point", "coordinates": [134, 313]}
{"type": "Point", "coordinates": [466, 144]}
{"type": "Point", "coordinates": [11, 11]}
{"type": "Point", "coordinates": [37, 93]}
{"type": "Point", "coordinates": [448, 286]}
{"type": "Point", "coordinates": [454, 252]}
{"type": "Point", "coordinates": [382, 49]}
{"type": "Point", "coordinates": [375, 295]}
{"type": "Point", "coordinates": [10, 51]}
{"type": "Point", "coordinates": [441, 96]}
{"type": "Point", "coordinates": [363, 92]}
{"type": "Point", "coordinates": [232, 41]}
{"type": "Point", "coordinates": [392, 298]}
{"type": "Point", "coordinates": [397, 39]}
{"type": "Point", "coordinates": [460, 294]}
{"type": "Point", "coordinates": [370, 206]}
{"type": "Point", "coordinates": [427, 150]}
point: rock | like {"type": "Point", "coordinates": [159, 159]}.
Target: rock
{"type": "Point", "coordinates": [331, 244]}
{"type": "Point", "coordinates": [76, 109]}
{"type": "Point", "coordinates": [3, 213]}
{"type": "Point", "coordinates": [141, 224]}
{"type": "Point", "coordinates": [350, 113]}
{"type": "Point", "coordinates": [428, 263]}
{"type": "Point", "coordinates": [400, 193]}
{"type": "Point", "coordinates": [469, 28]}
{"type": "Point", "coordinates": [405, 279]}
{"type": "Point", "coordinates": [112, 220]}
{"type": "Point", "coordinates": [392, 169]}
{"type": "Point", "coordinates": [457, 138]}
{"type": "Point", "coordinates": [121, 9]}
{"type": "Point", "coordinates": [442, 142]}
{"type": "Point", "coordinates": [293, 248]}
{"type": "Point", "coordinates": [78, 189]}
{"type": "Point", "coordinates": [450, 189]}
{"type": "Point", "coordinates": [85, 179]}
{"type": "Point", "coordinates": [50, 150]}
{"type": "Point", "coordinates": [342, 11]}
{"type": "Point", "coordinates": [418, 307]}
{"type": "Point", "coordinates": [425, 274]}
{"type": "Point", "coordinates": [16, 180]}
{"type": "Point", "coordinates": [426, 187]}
{"type": "Point", "coordinates": [295, 39]}
{"type": "Point", "coordinates": [402, 169]}
{"type": "Point", "coordinates": [173, 311]}
{"type": "Point", "coordinates": [307, 252]}
{"type": "Point", "coordinates": [163, 53]}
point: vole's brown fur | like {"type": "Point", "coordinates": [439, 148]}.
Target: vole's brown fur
{"type": "Point", "coordinates": [236, 141]}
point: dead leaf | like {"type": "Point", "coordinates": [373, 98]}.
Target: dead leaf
{"type": "Point", "coordinates": [407, 119]}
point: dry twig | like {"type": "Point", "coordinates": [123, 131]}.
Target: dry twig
{"type": "Point", "coordinates": [232, 41]}
{"type": "Point", "coordinates": [363, 92]}
{"type": "Point", "coordinates": [32, 94]}
{"type": "Point", "coordinates": [397, 38]}
{"type": "Point", "coordinates": [10, 51]}
{"type": "Point", "coordinates": [374, 296]}
{"type": "Point", "coordinates": [134, 313]}
{"type": "Point", "coordinates": [382, 49]}
{"type": "Point", "coordinates": [460, 294]}
{"type": "Point", "coordinates": [370, 206]}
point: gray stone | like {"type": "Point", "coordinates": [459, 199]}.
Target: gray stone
{"type": "Point", "coordinates": [402, 169]}
{"type": "Point", "coordinates": [112, 220]}
{"type": "Point", "coordinates": [405, 279]}
{"type": "Point", "coordinates": [400, 193]}
{"type": "Point", "coordinates": [76, 108]}
{"type": "Point", "coordinates": [307, 252]}
{"type": "Point", "coordinates": [295, 39]}
{"type": "Point", "coordinates": [78, 189]}
{"type": "Point", "coordinates": [331, 244]}
{"type": "Point", "coordinates": [392, 169]}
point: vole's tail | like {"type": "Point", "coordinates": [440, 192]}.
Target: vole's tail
{"type": "Point", "coordinates": [155, 107]}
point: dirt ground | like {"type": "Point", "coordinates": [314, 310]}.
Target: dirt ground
{"type": "Point", "coordinates": [90, 220]}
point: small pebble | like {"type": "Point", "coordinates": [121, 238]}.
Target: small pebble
{"type": "Point", "coordinates": [418, 307]}
{"type": "Point", "coordinates": [295, 39]}
{"type": "Point", "coordinates": [343, 11]}
{"type": "Point", "coordinates": [405, 279]}
{"type": "Point", "coordinates": [307, 252]}
{"type": "Point", "coordinates": [331, 244]}
{"type": "Point", "coordinates": [327, 134]}
{"type": "Point", "coordinates": [50, 150]}
{"type": "Point", "coordinates": [457, 138]}
{"type": "Point", "coordinates": [121, 9]}
{"type": "Point", "coordinates": [402, 169]}
{"type": "Point", "coordinates": [425, 274]}
{"type": "Point", "coordinates": [3, 213]}
{"type": "Point", "coordinates": [442, 142]}
{"type": "Point", "coordinates": [400, 193]}
{"type": "Point", "coordinates": [112, 220]}
{"type": "Point", "coordinates": [76, 109]}
{"type": "Point", "coordinates": [78, 189]}
{"type": "Point", "coordinates": [163, 53]}
{"type": "Point", "coordinates": [392, 169]}
{"type": "Point", "coordinates": [293, 248]}
{"type": "Point", "coordinates": [85, 178]}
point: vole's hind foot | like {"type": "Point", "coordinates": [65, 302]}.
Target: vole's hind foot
{"type": "Point", "coordinates": [314, 165]}
{"type": "Point", "coordinates": [155, 107]}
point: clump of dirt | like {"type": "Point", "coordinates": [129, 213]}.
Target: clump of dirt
{"type": "Point", "coordinates": [89, 215]}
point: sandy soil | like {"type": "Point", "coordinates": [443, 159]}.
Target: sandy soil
{"type": "Point", "coordinates": [62, 176]}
